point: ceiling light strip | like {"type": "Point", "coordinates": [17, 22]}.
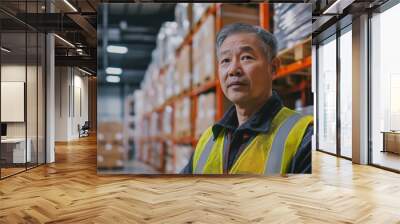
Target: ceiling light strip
{"type": "Point", "coordinates": [84, 71]}
{"type": "Point", "coordinates": [65, 41]}
{"type": "Point", "coordinates": [70, 5]}
{"type": "Point", "coordinates": [5, 49]}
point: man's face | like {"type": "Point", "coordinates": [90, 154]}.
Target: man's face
{"type": "Point", "coordinates": [244, 70]}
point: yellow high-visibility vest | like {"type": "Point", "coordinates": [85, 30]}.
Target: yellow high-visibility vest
{"type": "Point", "coordinates": [267, 153]}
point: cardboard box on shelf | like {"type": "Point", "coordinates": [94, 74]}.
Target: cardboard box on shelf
{"type": "Point", "coordinates": [292, 23]}
{"type": "Point", "coordinates": [167, 120]}
{"type": "Point", "coordinates": [110, 152]}
{"type": "Point", "coordinates": [183, 17]}
{"type": "Point", "coordinates": [182, 157]}
{"type": "Point", "coordinates": [183, 73]}
{"type": "Point", "coordinates": [110, 164]}
{"type": "Point", "coordinates": [145, 152]}
{"type": "Point", "coordinates": [177, 78]}
{"type": "Point", "coordinates": [182, 117]}
{"type": "Point", "coordinates": [110, 130]}
{"type": "Point", "coordinates": [154, 125]}
{"type": "Point", "coordinates": [239, 14]}
{"type": "Point", "coordinates": [198, 11]}
{"type": "Point", "coordinates": [110, 160]}
{"type": "Point", "coordinates": [209, 53]}
{"type": "Point", "coordinates": [205, 113]}
{"type": "Point", "coordinates": [203, 59]}
{"type": "Point", "coordinates": [156, 152]}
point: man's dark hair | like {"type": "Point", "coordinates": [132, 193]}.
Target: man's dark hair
{"type": "Point", "coordinates": [268, 39]}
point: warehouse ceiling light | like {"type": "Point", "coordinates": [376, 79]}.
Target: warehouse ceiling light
{"type": "Point", "coordinates": [84, 71]}
{"type": "Point", "coordinates": [5, 50]}
{"type": "Point", "coordinates": [113, 79]}
{"type": "Point", "coordinates": [337, 7]}
{"type": "Point", "coordinates": [117, 49]}
{"type": "Point", "coordinates": [65, 41]}
{"type": "Point", "coordinates": [70, 5]}
{"type": "Point", "coordinates": [113, 71]}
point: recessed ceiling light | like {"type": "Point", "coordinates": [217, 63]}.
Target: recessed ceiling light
{"type": "Point", "coordinates": [65, 41]}
{"type": "Point", "coordinates": [113, 71]}
{"type": "Point", "coordinates": [5, 50]}
{"type": "Point", "coordinates": [337, 7]}
{"type": "Point", "coordinates": [70, 5]}
{"type": "Point", "coordinates": [117, 49]}
{"type": "Point", "coordinates": [113, 79]}
{"type": "Point", "coordinates": [84, 71]}
{"type": "Point", "coordinates": [123, 25]}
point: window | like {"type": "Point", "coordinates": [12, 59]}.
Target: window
{"type": "Point", "coordinates": [327, 95]}
{"type": "Point", "coordinates": [385, 89]}
{"type": "Point", "coordinates": [346, 92]}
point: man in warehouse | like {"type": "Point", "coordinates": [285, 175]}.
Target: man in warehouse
{"type": "Point", "coordinates": [257, 135]}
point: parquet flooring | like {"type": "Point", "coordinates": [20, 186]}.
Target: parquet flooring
{"type": "Point", "coordinates": [70, 191]}
{"type": "Point", "coordinates": [10, 171]}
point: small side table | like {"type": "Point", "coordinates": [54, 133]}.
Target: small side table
{"type": "Point", "coordinates": [391, 141]}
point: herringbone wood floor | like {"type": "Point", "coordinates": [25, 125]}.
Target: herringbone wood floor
{"type": "Point", "coordinates": [70, 191]}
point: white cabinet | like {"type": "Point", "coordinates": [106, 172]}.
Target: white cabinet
{"type": "Point", "coordinates": [18, 149]}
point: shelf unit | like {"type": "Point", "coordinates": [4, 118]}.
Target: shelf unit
{"type": "Point", "coordinates": [194, 92]}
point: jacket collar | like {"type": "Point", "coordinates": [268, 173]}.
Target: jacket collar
{"type": "Point", "coordinates": [259, 122]}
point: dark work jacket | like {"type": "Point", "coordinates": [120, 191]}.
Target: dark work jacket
{"type": "Point", "coordinates": [259, 122]}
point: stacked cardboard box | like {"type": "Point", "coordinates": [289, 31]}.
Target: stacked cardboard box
{"type": "Point", "coordinates": [154, 125]}
{"type": "Point", "coordinates": [110, 150]}
{"type": "Point", "coordinates": [150, 89]}
{"type": "Point", "coordinates": [240, 14]}
{"type": "Point", "coordinates": [292, 23]}
{"type": "Point", "coordinates": [177, 158]}
{"type": "Point", "coordinates": [169, 163]}
{"type": "Point", "coordinates": [182, 157]}
{"type": "Point", "coordinates": [205, 113]}
{"type": "Point", "coordinates": [169, 157]}
{"type": "Point", "coordinates": [203, 59]}
{"type": "Point", "coordinates": [183, 17]}
{"type": "Point", "coordinates": [183, 70]}
{"type": "Point", "coordinates": [169, 82]}
{"type": "Point", "coordinates": [198, 11]}
{"type": "Point", "coordinates": [168, 40]}
{"type": "Point", "coordinates": [167, 120]}
{"type": "Point", "coordinates": [155, 154]}
{"type": "Point", "coordinates": [144, 152]}
{"type": "Point", "coordinates": [182, 117]}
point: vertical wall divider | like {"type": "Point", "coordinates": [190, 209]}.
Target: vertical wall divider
{"type": "Point", "coordinates": [316, 97]}
{"type": "Point", "coordinates": [0, 95]}
{"type": "Point", "coordinates": [26, 86]}
{"type": "Point", "coordinates": [369, 96]}
{"type": "Point", "coordinates": [338, 99]}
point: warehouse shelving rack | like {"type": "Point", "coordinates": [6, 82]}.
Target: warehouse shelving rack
{"type": "Point", "coordinates": [213, 85]}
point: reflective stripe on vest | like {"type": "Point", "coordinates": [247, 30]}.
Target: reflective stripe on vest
{"type": "Point", "coordinates": [274, 162]}
{"type": "Point", "coordinates": [204, 156]}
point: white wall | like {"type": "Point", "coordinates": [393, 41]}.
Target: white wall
{"type": "Point", "coordinates": [62, 80]}
{"type": "Point", "coordinates": [71, 94]}
{"type": "Point", "coordinates": [14, 73]}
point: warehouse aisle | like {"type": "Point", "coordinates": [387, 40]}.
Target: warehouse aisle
{"type": "Point", "coordinates": [71, 191]}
